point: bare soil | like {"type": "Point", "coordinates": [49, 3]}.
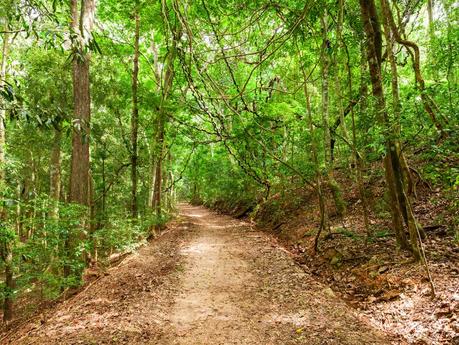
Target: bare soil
{"type": "Point", "coordinates": [210, 279]}
{"type": "Point", "coordinates": [372, 274]}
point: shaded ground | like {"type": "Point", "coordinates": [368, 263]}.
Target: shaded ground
{"type": "Point", "coordinates": [209, 280]}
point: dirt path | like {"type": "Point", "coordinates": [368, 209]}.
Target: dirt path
{"type": "Point", "coordinates": [209, 280]}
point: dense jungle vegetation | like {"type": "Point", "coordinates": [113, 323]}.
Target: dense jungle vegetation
{"type": "Point", "coordinates": [113, 111]}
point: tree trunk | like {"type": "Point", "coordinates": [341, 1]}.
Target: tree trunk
{"type": "Point", "coordinates": [160, 136]}
{"type": "Point", "coordinates": [391, 161]}
{"type": "Point", "coordinates": [324, 224]}
{"type": "Point", "coordinates": [397, 219]}
{"type": "Point", "coordinates": [55, 173]}
{"type": "Point", "coordinates": [171, 191]}
{"type": "Point", "coordinates": [332, 184]}
{"type": "Point", "coordinates": [6, 246]}
{"type": "Point", "coordinates": [2, 107]}
{"type": "Point", "coordinates": [81, 26]}
{"type": "Point", "coordinates": [79, 192]}
{"type": "Point", "coordinates": [318, 177]}
{"type": "Point", "coordinates": [325, 92]}
{"type": "Point", "coordinates": [135, 114]}
{"type": "Point", "coordinates": [358, 159]}
{"type": "Point", "coordinates": [79, 177]}
{"type": "Point", "coordinates": [399, 160]}
{"type": "Point", "coordinates": [104, 186]}
{"type": "Point", "coordinates": [397, 107]}
{"type": "Point", "coordinates": [165, 183]}
{"type": "Point", "coordinates": [151, 191]}
{"type": "Point", "coordinates": [337, 63]}
{"type": "Point", "coordinates": [19, 209]}
{"type": "Point", "coordinates": [158, 167]}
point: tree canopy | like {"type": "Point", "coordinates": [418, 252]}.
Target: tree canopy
{"type": "Point", "coordinates": [112, 111]}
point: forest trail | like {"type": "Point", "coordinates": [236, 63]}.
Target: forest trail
{"type": "Point", "coordinates": [210, 279]}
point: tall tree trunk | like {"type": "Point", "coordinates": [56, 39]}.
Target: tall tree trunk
{"type": "Point", "coordinates": [399, 164]}
{"type": "Point", "coordinates": [171, 179]}
{"type": "Point", "coordinates": [82, 21]}
{"type": "Point", "coordinates": [337, 64]}
{"type": "Point", "coordinates": [55, 178]}
{"type": "Point", "coordinates": [171, 198]}
{"type": "Point", "coordinates": [399, 160]}
{"type": "Point", "coordinates": [2, 106]}
{"type": "Point", "coordinates": [104, 186]}
{"type": "Point", "coordinates": [165, 183]}
{"type": "Point", "coordinates": [161, 126]}
{"type": "Point", "coordinates": [5, 47]}
{"type": "Point", "coordinates": [325, 91]}
{"type": "Point", "coordinates": [135, 114]}
{"type": "Point", "coordinates": [19, 209]}
{"type": "Point", "coordinates": [391, 161]}
{"type": "Point", "coordinates": [32, 195]}
{"type": "Point", "coordinates": [151, 186]}
{"type": "Point", "coordinates": [358, 159]}
{"type": "Point", "coordinates": [55, 173]}
{"type": "Point", "coordinates": [324, 224]}
{"type": "Point", "coordinates": [333, 185]}
{"type": "Point", "coordinates": [6, 246]}
{"type": "Point", "coordinates": [81, 26]}
{"type": "Point", "coordinates": [397, 108]}
{"type": "Point", "coordinates": [159, 166]}
{"type": "Point", "coordinates": [153, 150]}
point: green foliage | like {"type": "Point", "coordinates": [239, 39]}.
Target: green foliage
{"type": "Point", "coordinates": [7, 234]}
{"type": "Point", "coordinates": [237, 129]}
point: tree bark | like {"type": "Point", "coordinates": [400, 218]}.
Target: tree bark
{"type": "Point", "coordinates": [82, 21]}
{"type": "Point", "coordinates": [158, 166]}
{"type": "Point", "coordinates": [337, 63]}
{"type": "Point", "coordinates": [332, 184]}
{"type": "Point", "coordinates": [399, 162]}
{"type": "Point", "coordinates": [324, 224]}
{"type": "Point", "coordinates": [5, 48]}
{"type": "Point", "coordinates": [396, 109]}
{"type": "Point", "coordinates": [160, 142]}
{"type": "Point", "coordinates": [6, 246]}
{"type": "Point", "coordinates": [135, 114]}
{"type": "Point", "coordinates": [358, 159]}
{"type": "Point", "coordinates": [151, 191]}
{"type": "Point", "coordinates": [79, 177]}
{"type": "Point", "coordinates": [171, 198]}
{"type": "Point", "coordinates": [55, 173]}
{"type": "Point", "coordinates": [325, 90]}
{"type": "Point", "coordinates": [391, 161]}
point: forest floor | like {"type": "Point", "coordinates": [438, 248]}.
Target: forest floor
{"type": "Point", "coordinates": [209, 279]}
{"type": "Point", "coordinates": [369, 271]}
